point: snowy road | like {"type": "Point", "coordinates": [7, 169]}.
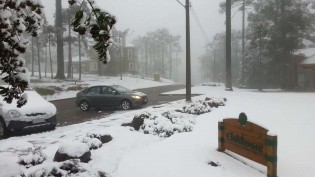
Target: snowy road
{"type": "Point", "coordinates": [68, 113]}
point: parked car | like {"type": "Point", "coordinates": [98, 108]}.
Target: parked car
{"type": "Point", "coordinates": [109, 96]}
{"type": "Point", "coordinates": [36, 114]}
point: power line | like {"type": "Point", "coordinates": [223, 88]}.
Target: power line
{"type": "Point", "coordinates": [199, 24]}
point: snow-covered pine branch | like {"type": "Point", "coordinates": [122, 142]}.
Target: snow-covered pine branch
{"type": "Point", "coordinates": [99, 24]}
{"type": "Point", "coordinates": [17, 18]}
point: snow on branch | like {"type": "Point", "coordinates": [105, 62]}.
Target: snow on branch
{"type": "Point", "coordinates": [99, 24]}
{"type": "Point", "coordinates": [17, 18]}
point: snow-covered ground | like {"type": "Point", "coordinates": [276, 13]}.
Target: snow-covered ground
{"type": "Point", "coordinates": [129, 81]}
{"type": "Point", "coordinates": [132, 153]}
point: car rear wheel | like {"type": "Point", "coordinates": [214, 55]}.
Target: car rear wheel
{"type": "Point", "coordinates": [84, 106]}
{"type": "Point", "coordinates": [125, 105]}
{"type": "Point", "coordinates": [3, 130]}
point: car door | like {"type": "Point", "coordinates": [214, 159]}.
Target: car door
{"type": "Point", "coordinates": [116, 97]}
{"type": "Point", "coordinates": [107, 96]}
{"type": "Point", "coordinates": [94, 97]}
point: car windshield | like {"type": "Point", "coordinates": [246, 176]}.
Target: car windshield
{"type": "Point", "coordinates": [121, 89]}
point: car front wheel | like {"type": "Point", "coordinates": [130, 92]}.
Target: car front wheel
{"type": "Point", "coordinates": [3, 131]}
{"type": "Point", "coordinates": [125, 105]}
{"type": "Point", "coordinates": [84, 106]}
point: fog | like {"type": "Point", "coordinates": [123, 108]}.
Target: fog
{"type": "Point", "coordinates": [142, 16]}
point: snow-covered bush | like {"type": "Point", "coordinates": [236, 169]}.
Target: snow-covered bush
{"type": "Point", "coordinates": [165, 124]}
{"type": "Point", "coordinates": [9, 168]}
{"type": "Point", "coordinates": [95, 140]}
{"type": "Point", "coordinates": [93, 143]}
{"type": "Point", "coordinates": [210, 84]}
{"type": "Point", "coordinates": [69, 168]}
{"type": "Point", "coordinates": [32, 156]}
{"type": "Point", "coordinates": [203, 106]}
{"type": "Point", "coordinates": [73, 150]}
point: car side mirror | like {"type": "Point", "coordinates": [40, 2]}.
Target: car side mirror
{"type": "Point", "coordinates": [115, 93]}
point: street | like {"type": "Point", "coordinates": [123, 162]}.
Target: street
{"type": "Point", "coordinates": [68, 113]}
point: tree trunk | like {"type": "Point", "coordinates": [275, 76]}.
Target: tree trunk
{"type": "Point", "coordinates": [146, 58]}
{"type": "Point", "coordinates": [38, 59]}
{"type": "Point", "coordinates": [59, 33]}
{"type": "Point", "coordinates": [51, 64]}
{"type": "Point", "coordinates": [70, 51]}
{"type": "Point", "coordinates": [171, 62]}
{"type": "Point", "coordinates": [46, 58]}
{"type": "Point", "coordinates": [162, 71]}
{"type": "Point", "coordinates": [33, 57]}
{"type": "Point", "coordinates": [79, 37]}
{"type": "Point", "coordinates": [228, 81]}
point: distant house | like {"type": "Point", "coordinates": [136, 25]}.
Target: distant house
{"type": "Point", "coordinates": [305, 68]}
{"type": "Point", "coordinates": [127, 60]}
{"type": "Point", "coordinates": [88, 66]}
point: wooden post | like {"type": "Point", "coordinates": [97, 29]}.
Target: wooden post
{"type": "Point", "coordinates": [221, 137]}
{"type": "Point", "coordinates": [271, 156]}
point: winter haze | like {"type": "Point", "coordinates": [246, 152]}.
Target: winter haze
{"type": "Point", "coordinates": [142, 16]}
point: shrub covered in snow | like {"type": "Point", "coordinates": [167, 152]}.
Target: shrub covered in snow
{"type": "Point", "coordinates": [203, 106]}
{"type": "Point", "coordinates": [9, 168]}
{"type": "Point", "coordinates": [104, 138]}
{"type": "Point", "coordinates": [69, 168]}
{"type": "Point", "coordinates": [165, 124]}
{"type": "Point", "coordinates": [138, 121]}
{"type": "Point", "coordinates": [95, 140]}
{"type": "Point", "coordinates": [210, 84]}
{"type": "Point", "coordinates": [74, 150]}
{"type": "Point", "coordinates": [93, 143]}
{"type": "Point", "coordinates": [31, 157]}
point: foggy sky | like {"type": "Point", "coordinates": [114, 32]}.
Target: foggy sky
{"type": "Point", "coordinates": [142, 16]}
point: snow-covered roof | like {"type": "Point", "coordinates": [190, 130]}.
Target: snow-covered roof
{"type": "Point", "coordinates": [308, 52]}
{"type": "Point", "coordinates": [129, 45]}
{"type": "Point", "coordinates": [309, 61]}
{"type": "Point", "coordinates": [307, 42]}
{"type": "Point", "coordinates": [76, 59]}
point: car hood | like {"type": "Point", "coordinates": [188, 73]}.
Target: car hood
{"type": "Point", "coordinates": [35, 104]}
{"type": "Point", "coordinates": [139, 93]}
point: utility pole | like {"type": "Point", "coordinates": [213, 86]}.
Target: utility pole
{"type": "Point", "coordinates": [260, 54]}
{"type": "Point", "coordinates": [228, 80]}
{"type": "Point", "coordinates": [188, 71]}
{"type": "Point", "coordinates": [243, 44]}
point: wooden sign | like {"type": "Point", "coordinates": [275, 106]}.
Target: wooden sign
{"type": "Point", "coordinates": [249, 140]}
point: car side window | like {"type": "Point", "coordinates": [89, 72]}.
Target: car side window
{"type": "Point", "coordinates": [94, 90]}
{"type": "Point", "coordinates": [106, 90]}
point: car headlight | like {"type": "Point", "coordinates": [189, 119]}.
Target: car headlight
{"type": "Point", "coordinates": [13, 114]}
{"type": "Point", "coordinates": [136, 97]}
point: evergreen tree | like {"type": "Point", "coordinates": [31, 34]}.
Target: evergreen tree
{"type": "Point", "coordinates": [59, 36]}
{"type": "Point", "coordinates": [280, 27]}
{"type": "Point", "coordinates": [49, 32]}
{"type": "Point", "coordinates": [16, 19]}
{"type": "Point", "coordinates": [23, 16]}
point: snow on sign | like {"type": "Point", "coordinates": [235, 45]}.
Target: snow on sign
{"type": "Point", "coordinates": [249, 140]}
